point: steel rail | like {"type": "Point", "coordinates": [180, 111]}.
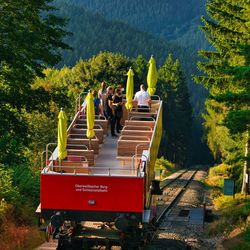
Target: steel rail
{"type": "Point", "coordinates": [174, 201]}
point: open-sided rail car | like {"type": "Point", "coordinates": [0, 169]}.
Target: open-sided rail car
{"type": "Point", "coordinates": [113, 187]}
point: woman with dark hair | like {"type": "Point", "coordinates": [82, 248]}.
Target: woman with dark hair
{"type": "Point", "coordinates": [117, 102]}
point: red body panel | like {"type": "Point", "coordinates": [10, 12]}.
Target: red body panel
{"type": "Point", "coordinates": [92, 193]}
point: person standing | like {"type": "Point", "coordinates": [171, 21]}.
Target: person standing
{"type": "Point", "coordinates": [117, 103]}
{"type": "Point", "coordinates": [143, 99]}
{"type": "Point", "coordinates": [109, 111]}
{"type": "Point", "coordinates": [97, 103]}
{"type": "Point", "coordinates": [102, 93]}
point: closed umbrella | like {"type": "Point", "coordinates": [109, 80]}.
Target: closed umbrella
{"type": "Point", "coordinates": [62, 135]}
{"type": "Point", "coordinates": [152, 76]}
{"type": "Point", "coordinates": [130, 89]}
{"type": "Point", "coordinates": [90, 116]}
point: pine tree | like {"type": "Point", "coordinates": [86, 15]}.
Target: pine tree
{"type": "Point", "coordinates": [227, 76]}
{"type": "Point", "coordinates": [177, 112]}
{"type": "Point", "coordinates": [30, 38]}
{"type": "Point", "coordinates": [140, 69]}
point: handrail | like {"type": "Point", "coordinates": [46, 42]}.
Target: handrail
{"type": "Point", "coordinates": [156, 122]}
{"type": "Point", "coordinates": [133, 165]}
{"type": "Point", "coordinates": [46, 161]}
{"type": "Point", "coordinates": [138, 145]}
{"type": "Point", "coordinates": [73, 121]}
{"type": "Point", "coordinates": [140, 117]}
{"type": "Point", "coordinates": [158, 97]}
{"type": "Point", "coordinates": [42, 154]}
{"type": "Point", "coordinates": [47, 150]}
{"type": "Point", "coordinates": [78, 101]}
{"type": "Point", "coordinates": [73, 166]}
{"type": "Point", "coordinates": [107, 171]}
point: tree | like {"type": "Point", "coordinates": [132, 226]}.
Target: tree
{"type": "Point", "coordinates": [227, 74]}
{"type": "Point", "coordinates": [177, 111]}
{"type": "Point", "coordinates": [30, 38]}
{"type": "Point", "coordinates": [140, 69]}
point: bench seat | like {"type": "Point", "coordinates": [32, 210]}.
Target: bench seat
{"type": "Point", "coordinates": [89, 154]}
{"type": "Point", "coordinates": [79, 143]}
{"type": "Point", "coordinates": [80, 131]}
{"type": "Point", "coordinates": [102, 123]}
{"type": "Point", "coordinates": [140, 123]}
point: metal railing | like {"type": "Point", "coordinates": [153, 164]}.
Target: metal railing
{"type": "Point", "coordinates": [79, 100]}
{"type": "Point", "coordinates": [100, 171]}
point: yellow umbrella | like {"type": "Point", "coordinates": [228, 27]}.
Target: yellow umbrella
{"type": "Point", "coordinates": [62, 135]}
{"type": "Point", "coordinates": [90, 116]}
{"type": "Point", "coordinates": [152, 76]}
{"type": "Point", "coordinates": [130, 89]}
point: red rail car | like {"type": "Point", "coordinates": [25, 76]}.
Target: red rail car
{"type": "Point", "coordinates": [107, 180]}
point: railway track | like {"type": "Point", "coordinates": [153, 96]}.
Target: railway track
{"type": "Point", "coordinates": [173, 187]}
{"type": "Point", "coordinates": [171, 192]}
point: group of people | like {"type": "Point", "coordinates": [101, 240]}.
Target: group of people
{"type": "Point", "coordinates": [108, 101]}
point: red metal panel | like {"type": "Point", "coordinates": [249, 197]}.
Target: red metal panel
{"type": "Point", "coordinates": [92, 193]}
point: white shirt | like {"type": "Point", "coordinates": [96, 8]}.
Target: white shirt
{"type": "Point", "coordinates": [142, 97]}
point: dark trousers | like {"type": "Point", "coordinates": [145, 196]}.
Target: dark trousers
{"type": "Point", "coordinates": [112, 124]}
{"type": "Point", "coordinates": [111, 118]}
{"type": "Point", "coordinates": [143, 108]}
{"type": "Point", "coordinates": [118, 117]}
{"type": "Point", "coordinates": [118, 124]}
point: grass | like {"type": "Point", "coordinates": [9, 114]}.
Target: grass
{"type": "Point", "coordinates": [232, 212]}
{"type": "Point", "coordinates": [19, 237]}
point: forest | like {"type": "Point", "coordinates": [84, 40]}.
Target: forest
{"type": "Point", "coordinates": [48, 56]}
{"type": "Point", "coordinates": [90, 28]}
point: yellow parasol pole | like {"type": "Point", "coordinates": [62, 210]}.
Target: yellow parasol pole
{"type": "Point", "coordinates": [62, 135]}
{"type": "Point", "coordinates": [90, 117]}
{"type": "Point", "coordinates": [130, 89]}
{"type": "Point", "coordinates": [152, 76]}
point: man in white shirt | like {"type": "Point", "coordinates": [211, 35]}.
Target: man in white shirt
{"type": "Point", "coordinates": [143, 99]}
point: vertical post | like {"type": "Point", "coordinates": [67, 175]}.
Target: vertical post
{"type": "Point", "coordinates": [89, 144]}
{"type": "Point", "coordinates": [244, 184]}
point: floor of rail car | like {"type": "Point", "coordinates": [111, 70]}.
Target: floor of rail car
{"type": "Point", "coordinates": [106, 162]}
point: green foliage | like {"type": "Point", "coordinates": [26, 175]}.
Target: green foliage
{"type": "Point", "coordinates": [246, 234]}
{"type": "Point", "coordinates": [27, 180]}
{"type": "Point", "coordinates": [177, 112]}
{"type": "Point", "coordinates": [174, 20]}
{"type": "Point", "coordinates": [86, 74]}
{"type": "Point", "coordinates": [164, 164]}
{"type": "Point", "coordinates": [96, 27]}
{"type": "Point", "coordinates": [3, 210]}
{"type": "Point", "coordinates": [9, 192]}
{"type": "Point", "coordinates": [226, 76]}
{"type": "Point", "coordinates": [233, 213]}
{"type": "Point", "coordinates": [140, 68]}
{"type": "Point", "coordinates": [221, 169]}
{"type": "Point", "coordinates": [29, 39]}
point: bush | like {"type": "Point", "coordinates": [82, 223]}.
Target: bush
{"type": "Point", "coordinates": [217, 175]}
{"type": "Point", "coordinates": [8, 191]}
{"type": "Point", "coordinates": [233, 213]}
{"type": "Point", "coordinates": [246, 235]}
{"type": "Point", "coordinates": [221, 170]}
{"type": "Point", "coordinates": [225, 202]}
{"type": "Point", "coordinates": [165, 166]}
{"type": "Point", "coordinates": [28, 183]}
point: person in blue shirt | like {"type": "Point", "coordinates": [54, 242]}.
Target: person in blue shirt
{"type": "Point", "coordinates": [97, 104]}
